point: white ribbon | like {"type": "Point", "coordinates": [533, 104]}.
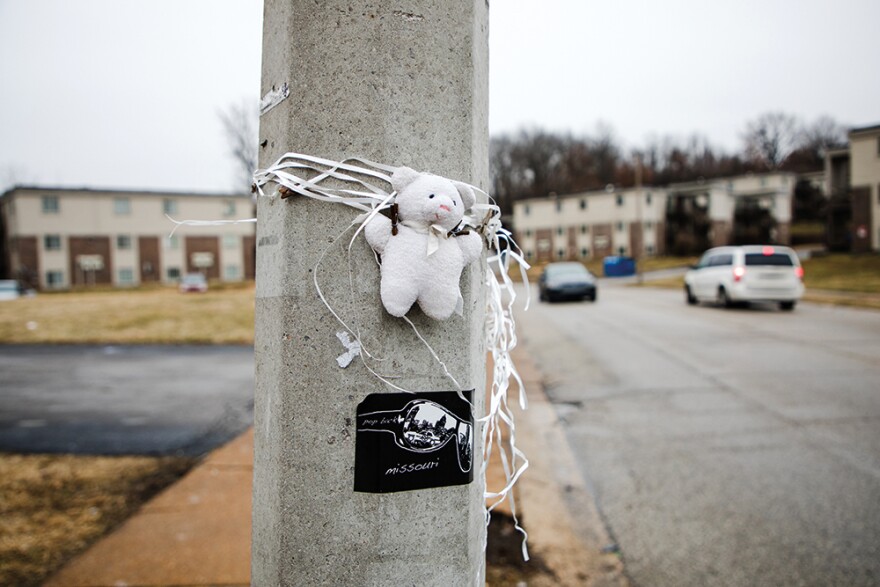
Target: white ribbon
{"type": "Point", "coordinates": [435, 232]}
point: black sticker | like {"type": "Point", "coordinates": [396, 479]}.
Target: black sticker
{"type": "Point", "coordinates": [411, 441]}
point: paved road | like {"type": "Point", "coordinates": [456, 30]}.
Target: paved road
{"type": "Point", "coordinates": [725, 447]}
{"type": "Point", "coordinates": [123, 399]}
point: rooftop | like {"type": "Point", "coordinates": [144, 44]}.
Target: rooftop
{"type": "Point", "coordinates": [124, 191]}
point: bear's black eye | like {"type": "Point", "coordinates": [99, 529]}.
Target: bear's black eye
{"type": "Point", "coordinates": [453, 203]}
{"type": "Point", "coordinates": [431, 197]}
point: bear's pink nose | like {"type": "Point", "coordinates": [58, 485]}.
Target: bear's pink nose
{"type": "Point", "coordinates": [445, 207]}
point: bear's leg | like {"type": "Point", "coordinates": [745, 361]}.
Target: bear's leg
{"type": "Point", "coordinates": [398, 291]}
{"type": "Point", "coordinates": [439, 303]}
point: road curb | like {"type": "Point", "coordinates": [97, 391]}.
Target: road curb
{"type": "Point", "coordinates": [558, 509]}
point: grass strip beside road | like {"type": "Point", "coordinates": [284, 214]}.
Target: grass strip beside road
{"type": "Point", "coordinates": [148, 316]}
{"type": "Point", "coordinates": [54, 506]}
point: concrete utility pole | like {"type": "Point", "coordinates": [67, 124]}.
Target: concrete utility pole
{"type": "Point", "coordinates": [401, 84]}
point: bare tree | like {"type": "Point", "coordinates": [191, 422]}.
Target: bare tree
{"type": "Point", "coordinates": [823, 134]}
{"type": "Point", "coordinates": [240, 123]}
{"type": "Point", "coordinates": [770, 138]}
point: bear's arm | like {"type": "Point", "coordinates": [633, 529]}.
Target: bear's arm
{"type": "Point", "coordinates": [471, 245]}
{"type": "Point", "coordinates": [378, 231]}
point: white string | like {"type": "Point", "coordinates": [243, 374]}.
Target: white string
{"type": "Point", "coordinates": [179, 223]}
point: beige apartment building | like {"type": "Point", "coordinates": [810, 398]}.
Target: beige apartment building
{"type": "Point", "coordinates": [853, 186]}
{"type": "Point", "coordinates": [591, 224]}
{"type": "Point", "coordinates": [684, 218]}
{"type": "Point", "coordinates": [53, 238]}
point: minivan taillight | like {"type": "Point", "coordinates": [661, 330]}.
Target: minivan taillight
{"type": "Point", "coordinates": [738, 272]}
{"type": "Point", "coordinates": [799, 272]}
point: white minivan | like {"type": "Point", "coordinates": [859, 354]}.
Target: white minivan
{"type": "Point", "coordinates": [754, 273]}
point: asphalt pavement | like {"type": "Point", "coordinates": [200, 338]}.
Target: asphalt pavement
{"type": "Point", "coordinates": [725, 447]}
{"type": "Point", "coordinates": [122, 399]}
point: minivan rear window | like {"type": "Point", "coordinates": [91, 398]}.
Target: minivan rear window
{"type": "Point", "coordinates": [777, 259]}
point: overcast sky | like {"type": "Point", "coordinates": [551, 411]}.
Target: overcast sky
{"type": "Point", "coordinates": [124, 93]}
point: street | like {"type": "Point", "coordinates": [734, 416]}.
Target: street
{"type": "Point", "coordinates": [118, 399]}
{"type": "Point", "coordinates": [724, 447]}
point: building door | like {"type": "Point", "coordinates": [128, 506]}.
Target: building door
{"type": "Point", "coordinates": [148, 250]}
{"type": "Point", "coordinates": [28, 268]}
{"type": "Point", "coordinates": [203, 256]}
{"type": "Point", "coordinates": [861, 219]}
{"type": "Point", "coordinates": [90, 262]}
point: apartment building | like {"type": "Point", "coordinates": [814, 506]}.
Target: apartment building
{"type": "Point", "coordinates": [684, 218]}
{"type": "Point", "coordinates": [853, 187]}
{"type": "Point", "coordinates": [591, 224]}
{"type": "Point", "coordinates": [755, 208]}
{"type": "Point", "coordinates": [59, 238]}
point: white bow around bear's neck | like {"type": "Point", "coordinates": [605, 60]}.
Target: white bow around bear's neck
{"type": "Point", "coordinates": [435, 233]}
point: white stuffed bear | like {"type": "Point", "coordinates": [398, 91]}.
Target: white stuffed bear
{"type": "Point", "coordinates": [422, 262]}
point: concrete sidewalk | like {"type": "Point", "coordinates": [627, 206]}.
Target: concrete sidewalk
{"type": "Point", "coordinates": [197, 532]}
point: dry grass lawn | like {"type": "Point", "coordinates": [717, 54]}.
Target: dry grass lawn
{"type": "Point", "coordinates": [53, 506]}
{"type": "Point", "coordinates": [224, 316]}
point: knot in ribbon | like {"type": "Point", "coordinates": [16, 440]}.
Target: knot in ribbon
{"type": "Point", "coordinates": [435, 233]}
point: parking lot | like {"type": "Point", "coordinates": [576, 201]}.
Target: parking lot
{"type": "Point", "coordinates": [122, 399]}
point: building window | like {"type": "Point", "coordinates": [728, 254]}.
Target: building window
{"type": "Point", "coordinates": [584, 229]}
{"type": "Point", "coordinates": [649, 249]}
{"type": "Point", "coordinates": [558, 206]}
{"type": "Point", "coordinates": [52, 242]}
{"type": "Point", "coordinates": [621, 250]}
{"type": "Point", "coordinates": [585, 252]}
{"type": "Point", "coordinates": [619, 200]}
{"type": "Point", "coordinates": [528, 233]}
{"type": "Point", "coordinates": [121, 206]}
{"type": "Point", "coordinates": [173, 273]}
{"type": "Point", "coordinates": [560, 253]}
{"type": "Point", "coordinates": [231, 272]}
{"type": "Point", "coordinates": [526, 210]}
{"type": "Point", "coordinates": [50, 204]}
{"type": "Point", "coordinates": [230, 241]}
{"type": "Point", "coordinates": [172, 243]}
{"type": "Point", "coordinates": [123, 242]}
{"type": "Point", "coordinates": [126, 276]}
{"type": "Point", "coordinates": [230, 209]}
{"type": "Point", "coordinates": [649, 225]}
{"type": "Point", "coordinates": [583, 204]}
{"type": "Point", "coordinates": [559, 231]}
{"type": "Point", "coordinates": [529, 254]}
{"type": "Point", "coordinates": [169, 206]}
{"type": "Point", "coordinates": [648, 199]}
{"type": "Point", "coordinates": [54, 279]}
{"type": "Point", "coordinates": [620, 227]}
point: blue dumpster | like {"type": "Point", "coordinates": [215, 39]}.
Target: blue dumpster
{"type": "Point", "coordinates": [618, 266]}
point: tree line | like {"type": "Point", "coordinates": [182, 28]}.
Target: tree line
{"type": "Point", "coordinates": [535, 162]}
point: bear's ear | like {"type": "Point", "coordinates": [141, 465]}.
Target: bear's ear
{"type": "Point", "coordinates": [402, 177]}
{"type": "Point", "coordinates": [467, 194]}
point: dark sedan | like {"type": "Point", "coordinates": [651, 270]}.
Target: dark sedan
{"type": "Point", "coordinates": [567, 281]}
